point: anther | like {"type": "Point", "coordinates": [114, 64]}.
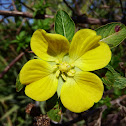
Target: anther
{"type": "Point", "coordinates": [71, 73]}
{"type": "Point", "coordinates": [57, 73]}
{"type": "Point", "coordinates": [55, 66]}
{"type": "Point", "coordinates": [63, 76]}
{"type": "Point", "coordinates": [72, 65]}
{"type": "Point", "coordinates": [64, 67]}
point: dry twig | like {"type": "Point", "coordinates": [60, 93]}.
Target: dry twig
{"type": "Point", "coordinates": [19, 29]}
{"type": "Point", "coordinates": [68, 6]}
{"type": "Point", "coordinates": [30, 15]}
{"type": "Point", "coordinates": [13, 4]}
{"type": "Point", "coordinates": [22, 14]}
{"type": "Point", "coordinates": [11, 64]}
{"type": "Point", "coordinates": [27, 6]}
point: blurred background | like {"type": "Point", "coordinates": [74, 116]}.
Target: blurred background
{"type": "Point", "coordinates": [19, 19]}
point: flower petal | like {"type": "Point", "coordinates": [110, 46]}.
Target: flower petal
{"type": "Point", "coordinates": [83, 41]}
{"type": "Point", "coordinates": [49, 46]}
{"type": "Point", "coordinates": [34, 70]}
{"type": "Point", "coordinates": [78, 94]}
{"type": "Point", "coordinates": [42, 89]}
{"type": "Point", "coordinates": [94, 59]}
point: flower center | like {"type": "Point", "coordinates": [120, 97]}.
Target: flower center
{"type": "Point", "coordinates": [64, 69]}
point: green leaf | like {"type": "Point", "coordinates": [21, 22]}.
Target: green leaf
{"type": "Point", "coordinates": [19, 86]}
{"type": "Point", "coordinates": [113, 33]}
{"type": "Point", "coordinates": [53, 108]}
{"type": "Point", "coordinates": [114, 79]}
{"type": "Point", "coordinates": [64, 25]}
{"type": "Point", "coordinates": [55, 113]}
{"type": "Point", "coordinates": [105, 101]}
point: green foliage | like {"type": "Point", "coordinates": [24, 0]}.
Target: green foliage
{"type": "Point", "coordinates": [113, 34]}
{"type": "Point", "coordinates": [114, 79]}
{"type": "Point", "coordinates": [55, 113]}
{"type": "Point", "coordinates": [118, 92]}
{"type": "Point", "coordinates": [22, 41]}
{"type": "Point", "coordinates": [42, 24]}
{"type": "Point", "coordinates": [40, 9]}
{"type": "Point", "coordinates": [64, 25]}
{"type": "Point", "coordinates": [19, 86]}
{"type": "Point", "coordinates": [54, 108]}
{"type": "Point", "coordinates": [116, 58]}
{"type": "Point", "coordinates": [104, 101]}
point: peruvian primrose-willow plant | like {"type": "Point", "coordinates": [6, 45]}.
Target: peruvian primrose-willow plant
{"type": "Point", "coordinates": [66, 68]}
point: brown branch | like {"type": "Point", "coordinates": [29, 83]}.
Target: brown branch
{"type": "Point", "coordinates": [22, 14]}
{"type": "Point", "coordinates": [2, 20]}
{"type": "Point", "coordinates": [108, 7]}
{"type": "Point", "coordinates": [14, 61]}
{"type": "Point", "coordinates": [13, 4]}
{"type": "Point", "coordinates": [98, 122]}
{"type": "Point", "coordinates": [81, 18]}
{"type": "Point", "coordinates": [16, 13]}
{"type": "Point", "coordinates": [95, 13]}
{"type": "Point", "coordinates": [77, 7]}
{"type": "Point", "coordinates": [69, 6]}
{"type": "Point", "coordinates": [121, 7]}
{"type": "Point", "coordinates": [27, 6]}
{"type": "Point", "coordinates": [48, 16]}
{"type": "Point", "coordinates": [11, 64]}
{"type": "Point", "coordinates": [19, 29]}
{"type": "Point", "coordinates": [97, 21]}
{"type": "Point", "coordinates": [118, 100]}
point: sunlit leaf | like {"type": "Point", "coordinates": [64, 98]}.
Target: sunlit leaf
{"type": "Point", "coordinates": [64, 25]}
{"type": "Point", "coordinates": [113, 33]}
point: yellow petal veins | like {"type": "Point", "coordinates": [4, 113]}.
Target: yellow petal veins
{"type": "Point", "coordinates": [49, 47]}
{"type": "Point", "coordinates": [80, 93]}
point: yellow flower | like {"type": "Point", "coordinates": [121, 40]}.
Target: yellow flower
{"type": "Point", "coordinates": [65, 67]}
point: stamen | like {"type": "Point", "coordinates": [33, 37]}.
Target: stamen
{"type": "Point", "coordinates": [55, 66]}
{"type": "Point", "coordinates": [72, 65]}
{"type": "Point", "coordinates": [63, 76]}
{"type": "Point", "coordinates": [64, 67]}
{"type": "Point", "coordinates": [57, 73]}
{"type": "Point", "coordinates": [71, 73]}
